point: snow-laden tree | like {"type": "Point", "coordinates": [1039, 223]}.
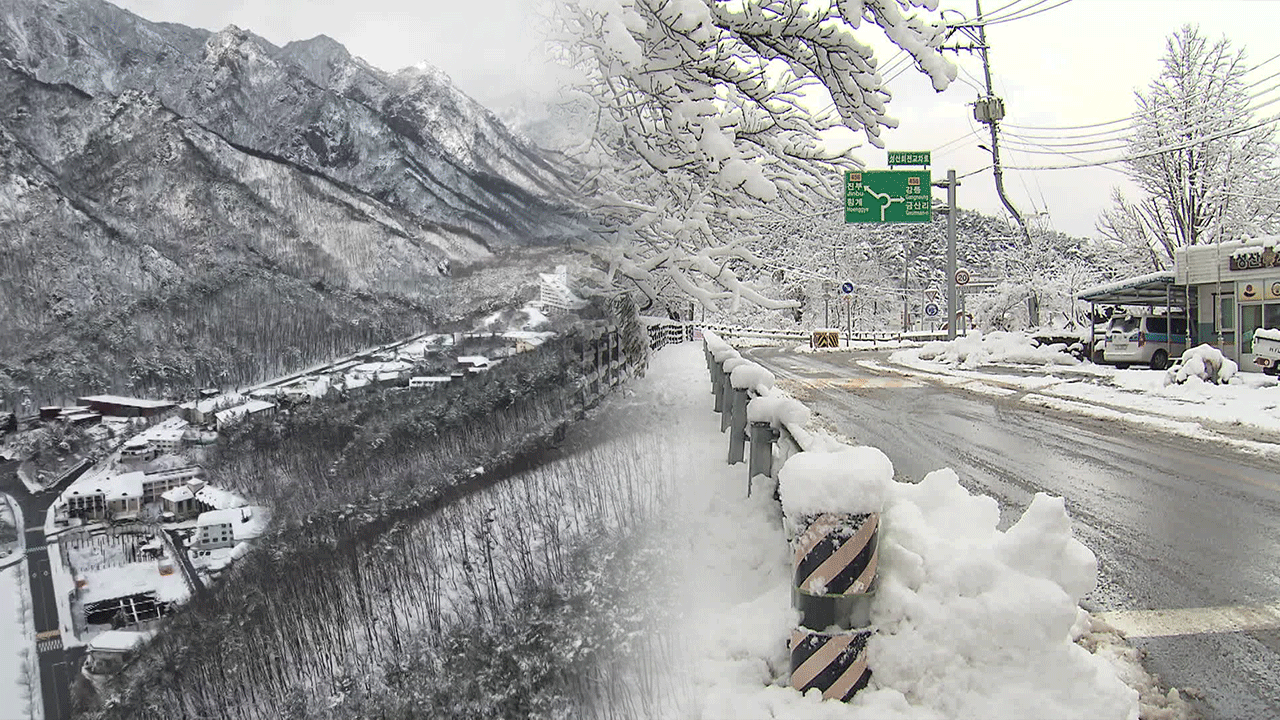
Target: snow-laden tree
{"type": "Point", "coordinates": [706, 112]}
{"type": "Point", "coordinates": [1204, 164]}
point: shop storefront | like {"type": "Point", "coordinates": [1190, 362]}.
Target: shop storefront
{"type": "Point", "coordinates": [1234, 289]}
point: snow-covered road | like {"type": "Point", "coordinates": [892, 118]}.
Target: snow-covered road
{"type": "Point", "coordinates": [1176, 523]}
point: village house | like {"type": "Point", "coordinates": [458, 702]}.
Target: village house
{"type": "Point", "coordinates": [137, 449]}
{"type": "Point", "coordinates": [216, 529]}
{"type": "Point", "coordinates": [123, 496]}
{"type": "Point", "coordinates": [232, 415]}
{"type": "Point", "coordinates": [110, 651]}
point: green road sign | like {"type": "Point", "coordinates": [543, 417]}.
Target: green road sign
{"type": "Point", "coordinates": [892, 196]}
{"type": "Point", "coordinates": [899, 157]}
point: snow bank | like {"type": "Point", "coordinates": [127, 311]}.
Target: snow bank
{"type": "Point", "coordinates": [977, 349]}
{"type": "Point", "coordinates": [974, 622]}
{"type": "Point", "coordinates": [851, 480]}
{"type": "Point", "coordinates": [1205, 362]}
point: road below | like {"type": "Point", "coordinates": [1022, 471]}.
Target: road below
{"type": "Point", "coordinates": [58, 666]}
{"type": "Point", "coordinates": [1176, 524]}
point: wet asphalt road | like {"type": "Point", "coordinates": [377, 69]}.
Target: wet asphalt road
{"type": "Point", "coordinates": [1174, 523]}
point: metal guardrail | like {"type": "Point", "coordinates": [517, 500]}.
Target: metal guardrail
{"type": "Point", "coordinates": [836, 550]}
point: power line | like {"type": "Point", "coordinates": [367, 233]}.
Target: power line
{"type": "Point", "coordinates": [1158, 151]}
{"type": "Point", "coordinates": [1205, 118]}
{"type": "Point", "coordinates": [1020, 14]}
{"type": "Point", "coordinates": [1127, 119]}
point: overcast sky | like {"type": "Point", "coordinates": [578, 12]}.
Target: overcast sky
{"type": "Point", "coordinates": [1072, 65]}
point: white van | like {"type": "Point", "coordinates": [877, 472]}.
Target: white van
{"type": "Point", "coordinates": [1144, 340]}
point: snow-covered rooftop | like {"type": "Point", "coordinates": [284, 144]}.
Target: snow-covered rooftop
{"type": "Point", "coordinates": [133, 578]}
{"type": "Point", "coordinates": [178, 494]}
{"type": "Point", "coordinates": [246, 523]}
{"type": "Point", "coordinates": [111, 487]}
{"type": "Point", "coordinates": [249, 407]}
{"type": "Point", "coordinates": [219, 499]}
{"type": "Point", "coordinates": [121, 400]}
{"type": "Point", "coordinates": [1166, 276]}
{"type": "Point", "coordinates": [117, 641]}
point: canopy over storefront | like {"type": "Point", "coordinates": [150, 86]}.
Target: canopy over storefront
{"type": "Point", "coordinates": [1151, 290]}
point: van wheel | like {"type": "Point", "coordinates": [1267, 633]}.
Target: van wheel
{"type": "Point", "coordinates": [1160, 360]}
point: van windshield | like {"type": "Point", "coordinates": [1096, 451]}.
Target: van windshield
{"type": "Point", "coordinates": [1126, 324]}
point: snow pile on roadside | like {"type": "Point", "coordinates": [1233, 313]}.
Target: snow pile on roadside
{"type": "Point", "coordinates": [977, 349]}
{"type": "Point", "coordinates": [972, 622]}
{"type": "Point", "coordinates": [1205, 363]}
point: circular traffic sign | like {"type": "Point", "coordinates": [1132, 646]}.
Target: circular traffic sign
{"type": "Point", "coordinates": [962, 277]}
{"type": "Point", "coordinates": [932, 310]}
{"type": "Point", "coordinates": [847, 288]}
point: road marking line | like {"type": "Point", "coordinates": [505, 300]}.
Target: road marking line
{"type": "Point", "coordinates": [1192, 621]}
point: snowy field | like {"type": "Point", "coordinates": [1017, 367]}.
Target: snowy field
{"type": "Point", "coordinates": [971, 622]}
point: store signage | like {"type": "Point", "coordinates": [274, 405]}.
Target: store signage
{"type": "Point", "coordinates": [1254, 259]}
{"type": "Point", "coordinates": [1272, 290]}
{"type": "Point", "coordinates": [1250, 291]}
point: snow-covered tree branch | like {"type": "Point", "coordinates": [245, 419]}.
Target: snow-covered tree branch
{"type": "Point", "coordinates": [706, 111]}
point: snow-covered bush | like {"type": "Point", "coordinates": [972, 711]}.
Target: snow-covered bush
{"type": "Point", "coordinates": [1204, 362]}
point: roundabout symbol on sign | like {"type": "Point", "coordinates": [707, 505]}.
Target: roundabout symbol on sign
{"type": "Point", "coordinates": [847, 288]}
{"type": "Point", "coordinates": [932, 310]}
{"type": "Point", "coordinates": [962, 277]}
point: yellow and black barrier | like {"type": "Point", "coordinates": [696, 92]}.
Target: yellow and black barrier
{"type": "Point", "coordinates": [835, 663]}
{"type": "Point", "coordinates": [825, 339]}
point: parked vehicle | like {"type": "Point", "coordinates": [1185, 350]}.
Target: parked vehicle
{"type": "Point", "coordinates": [1266, 350]}
{"type": "Point", "coordinates": [1145, 340]}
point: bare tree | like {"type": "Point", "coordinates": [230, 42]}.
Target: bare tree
{"type": "Point", "coordinates": [1203, 164]}
{"type": "Point", "coordinates": [704, 112]}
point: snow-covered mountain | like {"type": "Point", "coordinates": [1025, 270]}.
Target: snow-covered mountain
{"type": "Point", "coordinates": [143, 164]}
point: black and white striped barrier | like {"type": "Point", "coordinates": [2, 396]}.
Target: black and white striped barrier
{"type": "Point", "coordinates": [835, 558]}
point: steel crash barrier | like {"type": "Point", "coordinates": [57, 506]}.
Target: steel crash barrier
{"type": "Point", "coordinates": [835, 554]}
{"type": "Point", "coordinates": [830, 337]}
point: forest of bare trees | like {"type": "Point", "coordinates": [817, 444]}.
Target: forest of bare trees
{"type": "Point", "coordinates": [400, 575]}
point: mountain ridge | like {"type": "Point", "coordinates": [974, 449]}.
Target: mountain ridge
{"type": "Point", "coordinates": [151, 165]}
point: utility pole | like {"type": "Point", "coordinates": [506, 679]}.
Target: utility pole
{"type": "Point", "coordinates": [989, 110]}
{"type": "Point", "coordinates": [952, 294]}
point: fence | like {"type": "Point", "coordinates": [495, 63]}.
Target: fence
{"type": "Point", "coordinates": [835, 552]}
{"type": "Point", "coordinates": [806, 335]}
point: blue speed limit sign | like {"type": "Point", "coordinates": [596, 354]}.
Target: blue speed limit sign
{"type": "Point", "coordinates": [847, 288]}
{"type": "Point", "coordinates": [932, 310]}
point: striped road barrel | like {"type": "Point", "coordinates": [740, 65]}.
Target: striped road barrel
{"type": "Point", "coordinates": [835, 663]}
{"type": "Point", "coordinates": [835, 556]}
{"type": "Point", "coordinates": [836, 553]}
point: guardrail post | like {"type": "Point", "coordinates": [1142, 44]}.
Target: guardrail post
{"type": "Point", "coordinates": [760, 461]}
{"type": "Point", "coordinates": [726, 399]}
{"type": "Point", "coordinates": [835, 559]}
{"type": "Point", "coordinates": [738, 425]}
{"type": "Point", "coordinates": [717, 385]}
